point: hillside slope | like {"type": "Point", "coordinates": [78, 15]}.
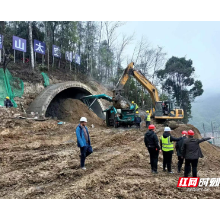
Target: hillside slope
{"type": "Point", "coordinates": [205, 110]}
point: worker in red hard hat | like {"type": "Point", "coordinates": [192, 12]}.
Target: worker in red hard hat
{"type": "Point", "coordinates": [178, 146]}
{"type": "Point", "coordinates": [191, 151]}
{"type": "Point", "coordinates": [152, 143]}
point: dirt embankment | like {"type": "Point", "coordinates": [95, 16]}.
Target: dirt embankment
{"type": "Point", "coordinates": [71, 110]}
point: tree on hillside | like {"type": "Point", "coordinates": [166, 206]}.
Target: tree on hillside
{"type": "Point", "coordinates": [178, 80]}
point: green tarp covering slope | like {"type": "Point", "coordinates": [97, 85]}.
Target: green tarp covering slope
{"type": "Point", "coordinates": [10, 86]}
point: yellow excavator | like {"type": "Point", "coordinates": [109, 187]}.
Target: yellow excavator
{"type": "Point", "coordinates": [161, 110]}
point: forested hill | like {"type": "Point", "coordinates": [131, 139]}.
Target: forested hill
{"type": "Point", "coordinates": [204, 110]}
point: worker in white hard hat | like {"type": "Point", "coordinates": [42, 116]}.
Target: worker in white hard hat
{"type": "Point", "coordinates": [166, 142]}
{"type": "Point", "coordinates": [83, 141]}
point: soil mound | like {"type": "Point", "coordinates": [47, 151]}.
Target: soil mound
{"type": "Point", "coordinates": [71, 110]}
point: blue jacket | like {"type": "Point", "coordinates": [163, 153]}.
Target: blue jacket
{"type": "Point", "coordinates": [81, 141]}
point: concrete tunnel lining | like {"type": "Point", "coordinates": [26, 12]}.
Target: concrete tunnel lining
{"type": "Point", "coordinates": [43, 103]}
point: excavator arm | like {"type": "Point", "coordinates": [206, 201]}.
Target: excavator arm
{"type": "Point", "coordinates": [87, 99]}
{"type": "Point", "coordinates": [129, 71]}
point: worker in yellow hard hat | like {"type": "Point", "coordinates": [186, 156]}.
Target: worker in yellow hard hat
{"type": "Point", "coordinates": [137, 119]}
{"type": "Point", "coordinates": [8, 103]}
{"type": "Point", "coordinates": [147, 119]}
{"type": "Point", "coordinates": [135, 106]}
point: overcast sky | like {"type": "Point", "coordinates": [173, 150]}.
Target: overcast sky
{"type": "Point", "coordinates": [198, 41]}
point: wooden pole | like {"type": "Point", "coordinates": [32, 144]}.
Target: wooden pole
{"type": "Point", "coordinates": [213, 133]}
{"type": "Point", "coordinates": [23, 57]}
{"type": "Point", "coordinates": [14, 56]}
{"type": "Point", "coordinates": [35, 54]}
{"type": "Point", "coordinates": [204, 130]}
{"type": "Point", "coordinates": [42, 59]}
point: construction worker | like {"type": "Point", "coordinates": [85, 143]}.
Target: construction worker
{"type": "Point", "coordinates": [135, 106]}
{"type": "Point", "coordinates": [166, 141]}
{"type": "Point", "coordinates": [83, 141]}
{"type": "Point", "coordinates": [137, 119]}
{"type": "Point", "coordinates": [178, 146]}
{"type": "Point", "coordinates": [147, 119]}
{"type": "Point", "coordinates": [152, 144]}
{"type": "Point", "coordinates": [8, 103]}
{"type": "Point", "coordinates": [191, 151]}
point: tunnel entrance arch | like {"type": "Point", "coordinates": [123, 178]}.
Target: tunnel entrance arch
{"type": "Point", "coordinates": [47, 102]}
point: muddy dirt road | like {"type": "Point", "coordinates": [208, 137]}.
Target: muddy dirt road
{"type": "Point", "coordinates": [41, 160]}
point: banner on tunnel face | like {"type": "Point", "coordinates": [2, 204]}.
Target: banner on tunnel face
{"type": "Point", "coordinates": [39, 47]}
{"type": "Point", "coordinates": [19, 44]}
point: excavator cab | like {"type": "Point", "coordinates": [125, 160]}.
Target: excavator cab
{"type": "Point", "coordinates": [167, 110]}
{"type": "Point", "coordinates": [164, 108]}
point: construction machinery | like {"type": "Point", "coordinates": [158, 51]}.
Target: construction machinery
{"type": "Point", "coordinates": [161, 110]}
{"type": "Point", "coordinates": [114, 117]}
{"type": "Point", "coordinates": [122, 112]}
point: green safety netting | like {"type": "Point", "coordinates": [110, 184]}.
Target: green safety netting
{"type": "Point", "coordinates": [46, 79]}
{"type": "Point", "coordinates": [10, 86]}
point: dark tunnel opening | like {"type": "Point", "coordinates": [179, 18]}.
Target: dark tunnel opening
{"type": "Point", "coordinates": [72, 93]}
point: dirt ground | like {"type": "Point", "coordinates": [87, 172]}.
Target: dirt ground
{"type": "Point", "coordinates": [41, 160]}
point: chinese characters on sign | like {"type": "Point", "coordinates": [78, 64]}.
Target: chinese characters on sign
{"type": "Point", "coordinates": [69, 56]}
{"type": "Point", "coordinates": [196, 181]}
{"type": "Point", "coordinates": [56, 51]}
{"type": "Point", "coordinates": [1, 41]}
{"type": "Point", "coordinates": [77, 59]}
{"type": "Point", "coordinates": [19, 44]}
{"type": "Point", "coordinates": [188, 182]}
{"type": "Point", "coordinates": [39, 47]}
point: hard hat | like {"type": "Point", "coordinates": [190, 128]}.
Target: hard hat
{"type": "Point", "coordinates": [151, 127]}
{"type": "Point", "coordinates": [83, 119]}
{"type": "Point", "coordinates": [184, 132]}
{"type": "Point", "coordinates": [132, 102]}
{"type": "Point", "coordinates": [167, 129]}
{"type": "Point", "coordinates": [191, 133]}
{"type": "Point", "coordinates": [137, 112]}
{"type": "Point", "coordinates": [147, 111]}
{"type": "Point", "coordinates": [7, 97]}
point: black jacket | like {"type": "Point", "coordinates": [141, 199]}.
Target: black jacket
{"type": "Point", "coordinates": [137, 119]}
{"type": "Point", "coordinates": [179, 145]}
{"type": "Point", "coordinates": [8, 103]}
{"type": "Point", "coordinates": [191, 149]}
{"type": "Point", "coordinates": [151, 140]}
{"type": "Point", "coordinates": [167, 134]}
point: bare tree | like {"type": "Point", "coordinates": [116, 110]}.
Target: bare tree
{"type": "Point", "coordinates": [110, 28]}
{"type": "Point", "coordinates": [125, 42]}
{"type": "Point", "coordinates": [159, 60]}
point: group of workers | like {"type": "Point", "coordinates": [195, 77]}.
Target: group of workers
{"type": "Point", "coordinates": [186, 148]}
{"type": "Point", "coordinates": [137, 119]}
